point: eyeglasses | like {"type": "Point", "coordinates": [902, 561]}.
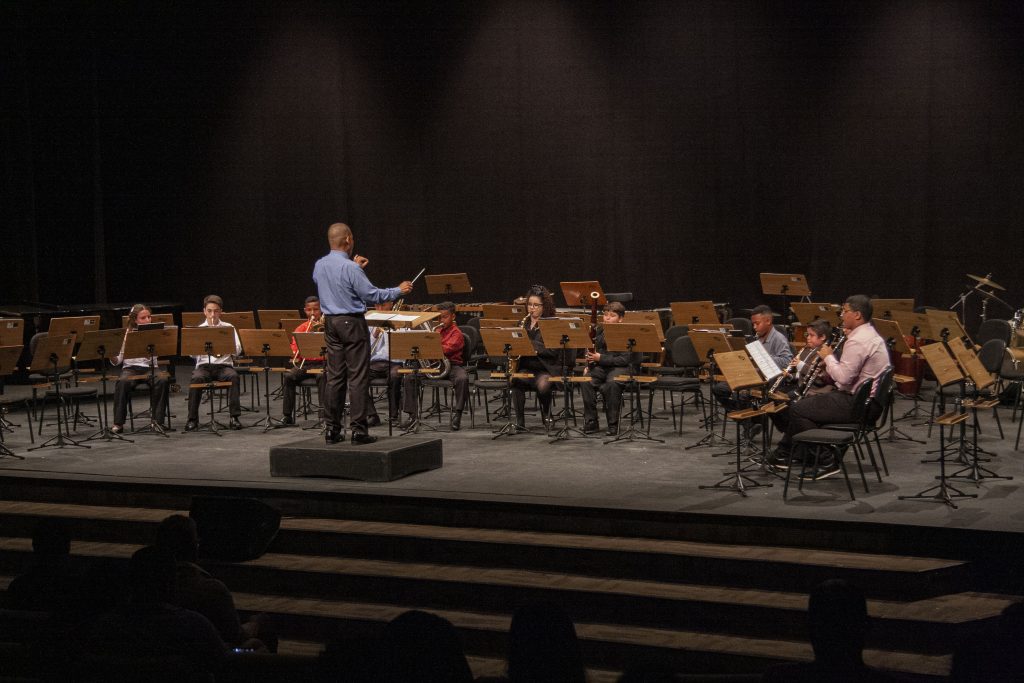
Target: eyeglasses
{"type": "Point", "coordinates": [534, 305]}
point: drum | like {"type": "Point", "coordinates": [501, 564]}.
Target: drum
{"type": "Point", "coordinates": [911, 365]}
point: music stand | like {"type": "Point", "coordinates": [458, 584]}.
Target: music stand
{"type": "Point", "coordinates": [740, 373]}
{"type": "Point", "coordinates": [634, 338]}
{"type": "Point", "coordinates": [159, 342]}
{"type": "Point", "coordinates": [693, 312]}
{"type": "Point", "coordinates": [571, 333]}
{"type": "Point", "coordinates": [268, 342]}
{"type": "Point", "coordinates": [74, 326]}
{"type": "Point", "coordinates": [946, 372]}
{"type": "Point", "coordinates": [892, 333]}
{"type": "Point", "coordinates": [9, 356]}
{"type": "Point", "coordinates": [52, 354]}
{"type": "Point", "coordinates": [503, 311]}
{"type": "Point", "coordinates": [242, 320]}
{"type": "Point", "coordinates": [649, 318]}
{"type": "Point", "coordinates": [785, 285]}
{"type": "Point", "coordinates": [11, 332]}
{"type": "Point", "coordinates": [166, 318]}
{"type": "Point", "coordinates": [270, 318]}
{"type": "Point", "coordinates": [448, 284]}
{"type": "Point", "coordinates": [314, 345]}
{"type": "Point", "coordinates": [415, 346]}
{"type": "Point", "coordinates": [192, 318]}
{"type": "Point", "coordinates": [508, 342]}
{"type": "Point", "coordinates": [583, 293]}
{"type": "Point", "coordinates": [96, 345]}
{"type": "Point", "coordinates": [707, 345]}
{"type": "Point", "coordinates": [209, 342]}
{"type": "Point", "coordinates": [975, 371]}
{"type": "Point", "coordinates": [887, 308]}
{"type": "Point", "coordinates": [945, 320]}
{"type": "Point", "coordinates": [498, 322]}
{"type": "Point", "coordinates": [807, 312]}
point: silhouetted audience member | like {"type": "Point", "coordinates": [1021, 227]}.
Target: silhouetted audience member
{"type": "Point", "coordinates": [995, 653]}
{"type": "Point", "coordinates": [423, 647]}
{"type": "Point", "coordinates": [542, 646]}
{"type": "Point", "coordinates": [150, 638]}
{"type": "Point", "coordinates": [50, 584]}
{"type": "Point", "coordinates": [837, 618]}
{"type": "Point", "coordinates": [198, 591]}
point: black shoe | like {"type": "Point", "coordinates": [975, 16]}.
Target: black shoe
{"type": "Point", "coordinates": [117, 429]}
{"type": "Point", "coordinates": [456, 420]}
{"type": "Point", "coordinates": [591, 427]}
{"type": "Point", "coordinates": [373, 421]}
{"type": "Point", "coordinates": [332, 436]}
{"type": "Point", "coordinates": [613, 430]}
{"type": "Point", "coordinates": [233, 423]}
{"type": "Point", "coordinates": [287, 420]}
{"type": "Point", "coordinates": [360, 439]}
{"type": "Point", "coordinates": [192, 426]}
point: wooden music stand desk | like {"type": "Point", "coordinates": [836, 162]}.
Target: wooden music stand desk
{"type": "Point", "coordinates": [581, 294]}
{"type": "Point", "coordinates": [448, 284]}
{"type": "Point", "coordinates": [693, 312]}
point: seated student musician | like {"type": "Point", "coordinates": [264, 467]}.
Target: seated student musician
{"type": "Point", "coordinates": [800, 380]}
{"type": "Point", "coordinates": [774, 342]}
{"type": "Point", "coordinates": [603, 366]}
{"type": "Point", "coordinates": [215, 369]}
{"type": "Point", "coordinates": [864, 356]}
{"type": "Point", "coordinates": [382, 366]}
{"type": "Point", "coordinates": [540, 303]}
{"type": "Point", "coordinates": [301, 370]}
{"type": "Point", "coordinates": [139, 368]}
{"type": "Point", "coordinates": [452, 343]}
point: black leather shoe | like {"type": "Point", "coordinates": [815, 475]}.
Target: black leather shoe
{"type": "Point", "coordinates": [360, 439]}
{"type": "Point", "coordinates": [456, 420]}
{"type": "Point", "coordinates": [287, 420]}
{"type": "Point", "coordinates": [591, 428]}
{"type": "Point", "coordinates": [612, 430]}
{"type": "Point", "coordinates": [191, 426]}
{"type": "Point", "coordinates": [332, 437]}
{"type": "Point", "coordinates": [373, 421]}
{"type": "Point", "coordinates": [233, 423]}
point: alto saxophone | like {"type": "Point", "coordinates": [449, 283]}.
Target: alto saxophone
{"type": "Point", "coordinates": [513, 361]}
{"type": "Point", "coordinates": [314, 324]}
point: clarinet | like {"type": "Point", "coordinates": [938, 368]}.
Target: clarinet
{"type": "Point", "coordinates": [836, 339]}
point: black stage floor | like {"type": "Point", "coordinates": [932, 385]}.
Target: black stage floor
{"type": "Point", "coordinates": [527, 469]}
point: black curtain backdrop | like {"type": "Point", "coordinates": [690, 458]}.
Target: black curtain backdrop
{"type": "Point", "coordinates": [672, 149]}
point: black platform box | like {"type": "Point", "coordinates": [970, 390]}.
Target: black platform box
{"type": "Point", "coordinates": [388, 459]}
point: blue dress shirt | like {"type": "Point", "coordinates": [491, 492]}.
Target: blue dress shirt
{"type": "Point", "coordinates": [343, 287]}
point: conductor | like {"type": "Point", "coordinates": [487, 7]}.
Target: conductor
{"type": "Point", "coordinates": [344, 291]}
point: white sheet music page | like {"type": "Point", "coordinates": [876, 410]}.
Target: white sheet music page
{"type": "Point", "coordinates": [769, 369]}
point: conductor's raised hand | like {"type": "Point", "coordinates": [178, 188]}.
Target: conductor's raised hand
{"type": "Point", "coordinates": [360, 261]}
{"type": "Point", "coordinates": [405, 287]}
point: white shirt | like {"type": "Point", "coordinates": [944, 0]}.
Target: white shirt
{"type": "Point", "coordinates": [220, 360]}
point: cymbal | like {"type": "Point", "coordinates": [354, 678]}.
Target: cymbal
{"type": "Point", "coordinates": [985, 281]}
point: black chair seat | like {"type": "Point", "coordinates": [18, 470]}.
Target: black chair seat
{"type": "Point", "coordinates": [662, 370]}
{"type": "Point", "coordinates": [72, 392]}
{"type": "Point", "coordinates": [670, 383]}
{"type": "Point", "coordinates": [824, 436]}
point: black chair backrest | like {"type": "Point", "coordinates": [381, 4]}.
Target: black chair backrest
{"type": "Point", "coordinates": [684, 354]}
{"type": "Point", "coordinates": [673, 333]}
{"type": "Point", "coordinates": [884, 383]}
{"type": "Point", "coordinates": [991, 354]}
{"type": "Point", "coordinates": [861, 398]}
{"type": "Point", "coordinates": [742, 324]}
{"type": "Point", "coordinates": [994, 328]}
{"type": "Point", "coordinates": [472, 337]}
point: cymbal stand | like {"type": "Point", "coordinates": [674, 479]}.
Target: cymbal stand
{"type": "Point", "coordinates": [711, 438]}
{"type": "Point", "coordinates": [509, 428]}
{"type": "Point", "coordinates": [104, 432]}
{"type": "Point", "coordinates": [632, 433]}
{"type": "Point", "coordinates": [567, 432]}
{"type": "Point", "coordinates": [60, 440]}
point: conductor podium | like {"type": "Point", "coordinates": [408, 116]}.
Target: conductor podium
{"type": "Point", "coordinates": [387, 459]}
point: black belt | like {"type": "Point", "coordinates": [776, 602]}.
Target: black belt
{"type": "Point", "coordinates": [344, 315]}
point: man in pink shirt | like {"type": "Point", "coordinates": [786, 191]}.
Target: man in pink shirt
{"type": "Point", "coordinates": [864, 356]}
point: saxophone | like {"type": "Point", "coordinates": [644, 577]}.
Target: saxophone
{"type": "Point", "coordinates": [513, 361]}
{"type": "Point", "coordinates": [314, 324]}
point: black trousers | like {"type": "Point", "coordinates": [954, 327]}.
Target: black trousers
{"type": "Point", "coordinates": [612, 393]}
{"type": "Point", "coordinates": [816, 410]}
{"type": "Point", "coordinates": [348, 365]}
{"type": "Point", "coordinates": [382, 369]}
{"type": "Point", "coordinates": [291, 379]}
{"type": "Point", "coordinates": [124, 386]}
{"type": "Point", "coordinates": [214, 372]}
{"type": "Point", "coordinates": [460, 387]}
{"type": "Point", "coordinates": [542, 384]}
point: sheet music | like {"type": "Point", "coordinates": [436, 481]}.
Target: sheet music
{"type": "Point", "coordinates": [769, 369]}
{"type": "Point", "coordinates": [393, 317]}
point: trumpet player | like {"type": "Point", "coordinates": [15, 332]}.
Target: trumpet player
{"type": "Point", "coordinates": [215, 369]}
{"type": "Point", "coordinates": [864, 357]}
{"type": "Point", "coordinates": [140, 314]}
{"type": "Point", "coordinates": [302, 367]}
{"type": "Point", "coordinates": [603, 366]}
{"type": "Point", "coordinates": [453, 346]}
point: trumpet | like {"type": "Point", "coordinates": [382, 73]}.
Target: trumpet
{"type": "Point", "coordinates": [314, 324]}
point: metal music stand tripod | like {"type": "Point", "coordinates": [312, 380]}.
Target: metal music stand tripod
{"type": "Point", "coordinates": [571, 333]}
{"type": "Point", "coordinates": [209, 342]}
{"type": "Point", "coordinates": [415, 346]}
{"type": "Point", "coordinates": [707, 345]}
{"type": "Point", "coordinates": [54, 354]}
{"type": "Point", "coordinates": [270, 342]}
{"type": "Point", "coordinates": [94, 346]}
{"type": "Point", "coordinates": [513, 342]}
{"type": "Point", "coordinates": [634, 338]}
{"type": "Point", "coordinates": [153, 343]}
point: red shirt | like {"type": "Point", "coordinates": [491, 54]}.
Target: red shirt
{"type": "Point", "coordinates": [452, 343]}
{"type": "Point", "coordinates": [295, 347]}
